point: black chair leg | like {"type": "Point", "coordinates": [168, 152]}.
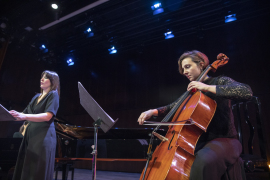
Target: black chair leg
{"type": "Point", "coordinates": [67, 169]}
{"type": "Point", "coordinates": [56, 173]}
{"type": "Point", "coordinates": [72, 177]}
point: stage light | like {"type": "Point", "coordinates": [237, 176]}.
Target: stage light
{"type": "Point", "coordinates": [70, 62]}
{"type": "Point", "coordinates": [230, 18]}
{"type": "Point", "coordinates": [89, 32]}
{"type": "Point", "coordinates": [54, 6]}
{"type": "Point", "coordinates": [169, 35]}
{"type": "Point", "coordinates": [157, 8]}
{"type": "Point", "coordinates": [43, 48]}
{"type": "Point", "coordinates": [112, 50]}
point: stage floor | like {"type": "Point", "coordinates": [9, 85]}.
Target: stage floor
{"type": "Point", "coordinates": [85, 174]}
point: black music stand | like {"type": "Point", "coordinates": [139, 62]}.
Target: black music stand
{"type": "Point", "coordinates": [5, 115]}
{"type": "Point", "coordinates": [102, 119]}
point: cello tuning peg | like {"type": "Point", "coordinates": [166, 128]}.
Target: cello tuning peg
{"type": "Point", "coordinates": [220, 55]}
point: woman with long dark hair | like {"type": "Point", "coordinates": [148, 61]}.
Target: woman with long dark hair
{"type": "Point", "coordinates": [37, 152]}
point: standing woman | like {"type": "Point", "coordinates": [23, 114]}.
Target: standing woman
{"type": "Point", "coordinates": [37, 152]}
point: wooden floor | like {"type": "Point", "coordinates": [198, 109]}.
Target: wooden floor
{"type": "Point", "coordinates": [86, 174]}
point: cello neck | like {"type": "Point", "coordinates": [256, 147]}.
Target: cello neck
{"type": "Point", "coordinates": [222, 59]}
{"type": "Point", "coordinates": [204, 73]}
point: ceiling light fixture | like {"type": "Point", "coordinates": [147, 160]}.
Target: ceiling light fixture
{"type": "Point", "coordinates": [90, 6]}
{"type": "Point", "coordinates": [169, 35]}
{"type": "Point", "coordinates": [230, 18]}
{"type": "Point", "coordinates": [112, 50]}
{"type": "Point", "coordinates": [54, 6]}
{"type": "Point", "coordinates": [157, 9]}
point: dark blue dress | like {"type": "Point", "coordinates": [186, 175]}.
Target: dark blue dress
{"type": "Point", "coordinates": [37, 152]}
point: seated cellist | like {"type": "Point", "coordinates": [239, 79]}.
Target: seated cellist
{"type": "Point", "coordinates": [217, 151]}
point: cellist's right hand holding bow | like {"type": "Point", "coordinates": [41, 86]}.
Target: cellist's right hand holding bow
{"type": "Point", "coordinates": [147, 115]}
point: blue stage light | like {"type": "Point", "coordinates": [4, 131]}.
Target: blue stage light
{"type": "Point", "coordinates": [89, 32]}
{"type": "Point", "coordinates": [169, 35]}
{"type": "Point", "coordinates": [157, 8]}
{"type": "Point", "coordinates": [70, 62]}
{"type": "Point", "coordinates": [230, 18]}
{"type": "Point", "coordinates": [43, 48]}
{"type": "Point", "coordinates": [112, 50]}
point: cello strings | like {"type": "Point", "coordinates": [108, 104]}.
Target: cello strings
{"type": "Point", "coordinates": [173, 110]}
{"type": "Point", "coordinates": [181, 100]}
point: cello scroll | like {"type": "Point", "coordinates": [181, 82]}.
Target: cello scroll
{"type": "Point", "coordinates": [222, 59]}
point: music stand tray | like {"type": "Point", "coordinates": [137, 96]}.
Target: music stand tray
{"type": "Point", "coordinates": [5, 115]}
{"type": "Point", "coordinates": [100, 117]}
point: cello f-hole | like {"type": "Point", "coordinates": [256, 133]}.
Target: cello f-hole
{"type": "Point", "coordinates": [169, 148]}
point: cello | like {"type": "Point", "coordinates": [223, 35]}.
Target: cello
{"type": "Point", "coordinates": [192, 114]}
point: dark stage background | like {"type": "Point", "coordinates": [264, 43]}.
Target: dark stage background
{"type": "Point", "coordinates": [134, 80]}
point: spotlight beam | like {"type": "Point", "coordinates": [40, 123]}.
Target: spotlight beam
{"type": "Point", "coordinates": [90, 6]}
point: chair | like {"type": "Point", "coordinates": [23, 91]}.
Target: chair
{"type": "Point", "coordinates": [250, 113]}
{"type": "Point", "coordinates": [59, 166]}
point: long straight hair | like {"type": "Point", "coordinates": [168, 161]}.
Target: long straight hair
{"type": "Point", "coordinates": [54, 79]}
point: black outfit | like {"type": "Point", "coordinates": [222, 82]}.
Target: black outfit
{"type": "Point", "coordinates": [218, 149]}
{"type": "Point", "coordinates": [37, 152]}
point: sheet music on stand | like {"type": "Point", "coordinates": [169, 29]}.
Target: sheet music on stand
{"type": "Point", "coordinates": [94, 110]}
{"type": "Point", "coordinates": [5, 115]}
{"type": "Point", "coordinates": [100, 117]}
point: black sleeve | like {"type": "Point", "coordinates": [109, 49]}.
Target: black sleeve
{"type": "Point", "coordinates": [225, 88]}
{"type": "Point", "coordinates": [25, 111]}
{"type": "Point", "coordinates": [231, 89]}
{"type": "Point", "coordinates": [52, 104]}
{"type": "Point", "coordinates": [162, 111]}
